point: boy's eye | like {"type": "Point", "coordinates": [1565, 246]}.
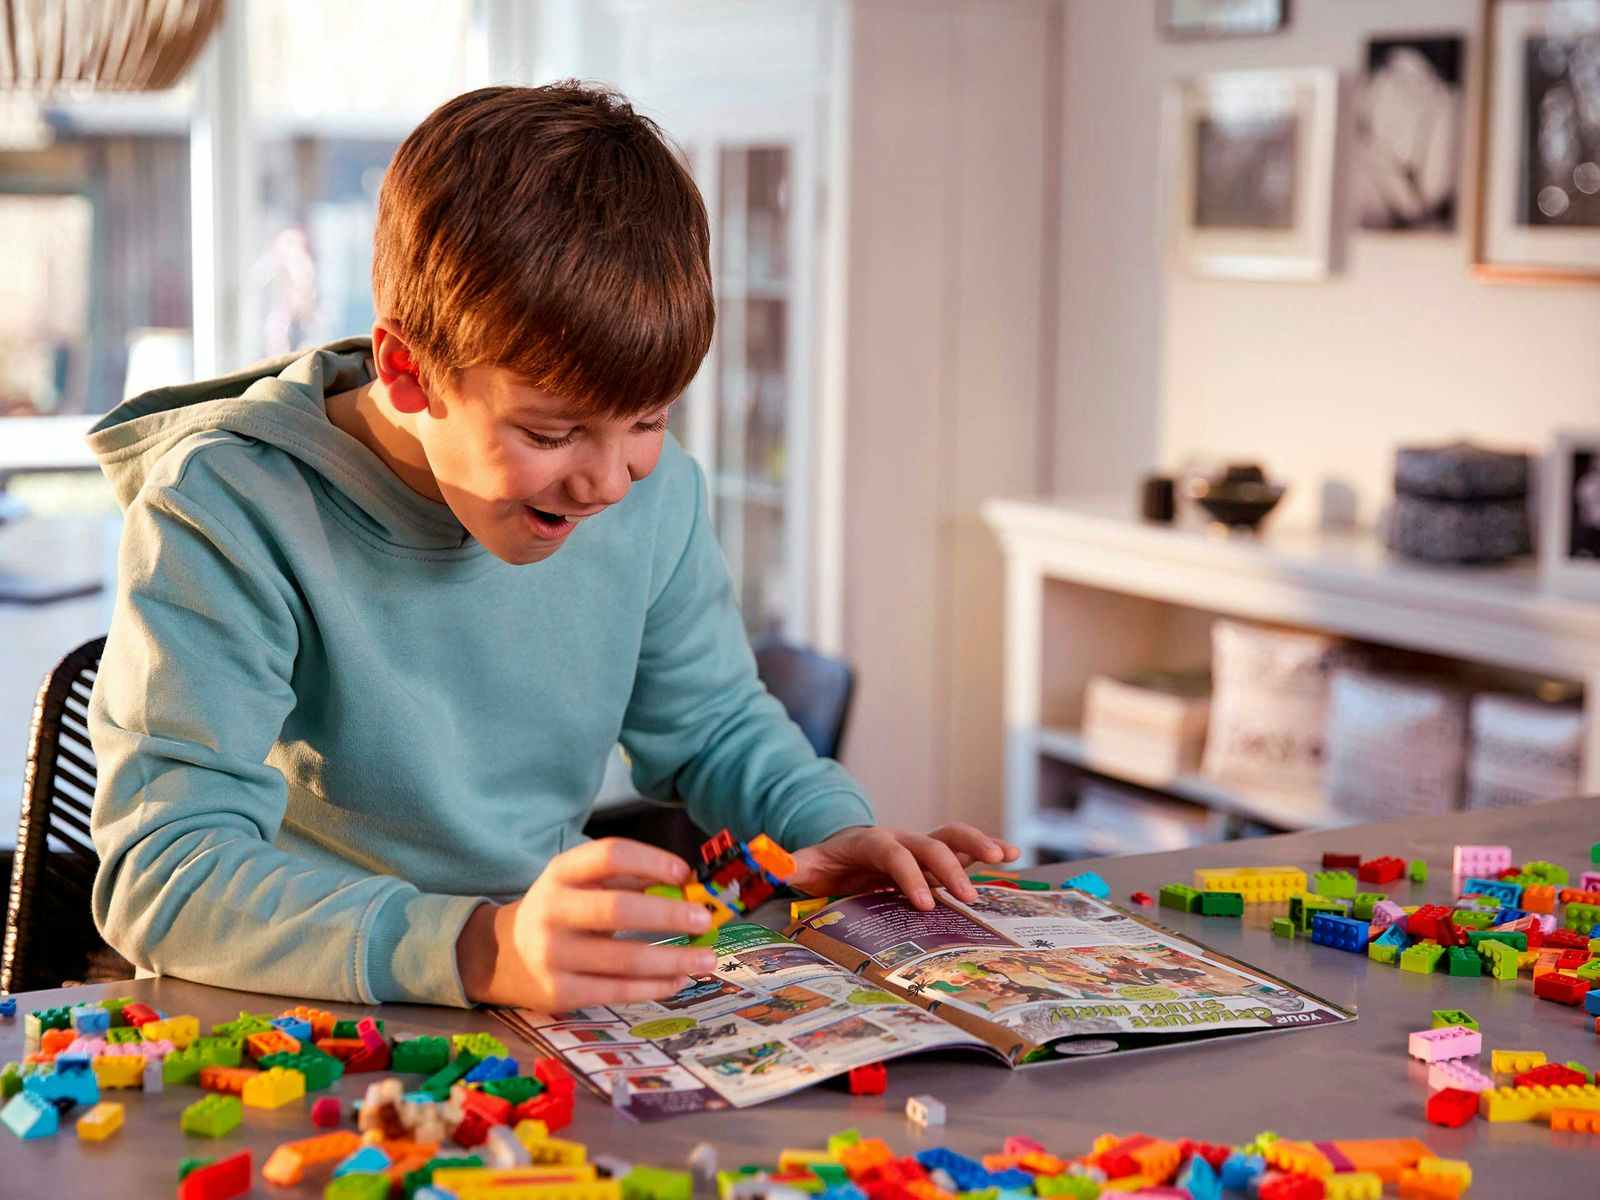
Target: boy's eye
{"type": "Point", "coordinates": [549, 443]}
{"type": "Point", "coordinates": [655, 426]}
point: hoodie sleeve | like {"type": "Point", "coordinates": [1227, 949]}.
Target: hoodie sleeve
{"type": "Point", "coordinates": [192, 693]}
{"type": "Point", "coordinates": [701, 724]}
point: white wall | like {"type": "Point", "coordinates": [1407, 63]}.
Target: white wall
{"type": "Point", "coordinates": [947, 287]}
{"type": "Point", "coordinates": [1318, 380]}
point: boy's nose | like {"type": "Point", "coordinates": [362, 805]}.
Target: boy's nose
{"type": "Point", "coordinates": [603, 480]}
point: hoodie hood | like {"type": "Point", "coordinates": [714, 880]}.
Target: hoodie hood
{"type": "Point", "coordinates": [281, 402]}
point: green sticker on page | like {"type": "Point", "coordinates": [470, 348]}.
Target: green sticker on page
{"type": "Point", "coordinates": [663, 1028]}
{"type": "Point", "coordinates": [872, 996]}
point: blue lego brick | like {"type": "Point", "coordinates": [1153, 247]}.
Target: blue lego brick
{"type": "Point", "coordinates": [1238, 1169]}
{"type": "Point", "coordinates": [1393, 935]}
{"type": "Point", "coordinates": [1014, 1179]}
{"type": "Point", "coordinates": [8, 1007]}
{"type": "Point", "coordinates": [71, 1078]}
{"type": "Point", "coordinates": [1507, 915]}
{"type": "Point", "coordinates": [1199, 1180]}
{"type": "Point", "coordinates": [1591, 1002]}
{"type": "Point", "coordinates": [90, 1019]}
{"type": "Point", "coordinates": [299, 1030]}
{"type": "Point", "coordinates": [968, 1174]}
{"type": "Point", "coordinates": [29, 1116]}
{"type": "Point", "coordinates": [1509, 894]}
{"type": "Point", "coordinates": [1342, 933]}
{"type": "Point", "coordinates": [493, 1067]}
{"type": "Point", "coordinates": [1090, 883]}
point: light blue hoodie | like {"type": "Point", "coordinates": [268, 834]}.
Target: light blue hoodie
{"type": "Point", "coordinates": [329, 723]}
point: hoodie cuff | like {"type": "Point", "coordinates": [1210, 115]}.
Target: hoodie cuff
{"type": "Point", "coordinates": [411, 949]}
{"type": "Point", "coordinates": [818, 818]}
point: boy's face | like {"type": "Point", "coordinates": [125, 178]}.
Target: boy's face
{"type": "Point", "coordinates": [520, 470]}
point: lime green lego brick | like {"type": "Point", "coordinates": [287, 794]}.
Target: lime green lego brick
{"type": "Point", "coordinates": [419, 1055]}
{"type": "Point", "coordinates": [1180, 896]}
{"type": "Point", "coordinates": [358, 1185]}
{"type": "Point", "coordinates": [244, 1026]}
{"type": "Point", "coordinates": [114, 1005]}
{"type": "Point", "coordinates": [1589, 970]}
{"type": "Point", "coordinates": [10, 1080]}
{"type": "Point", "coordinates": [657, 1183]}
{"type": "Point", "coordinates": [1417, 871]}
{"type": "Point", "coordinates": [123, 1035]}
{"type": "Point", "coordinates": [1305, 906]}
{"type": "Point", "coordinates": [1282, 927]}
{"type": "Point", "coordinates": [516, 1089]}
{"type": "Point", "coordinates": [1421, 959]}
{"type": "Point", "coordinates": [1539, 871]}
{"type": "Point", "coordinates": [183, 1066]}
{"type": "Point", "coordinates": [1363, 903]}
{"type": "Point", "coordinates": [482, 1045]}
{"type": "Point", "coordinates": [1443, 1017]}
{"type": "Point", "coordinates": [1463, 962]}
{"type": "Point", "coordinates": [1501, 959]}
{"type": "Point", "coordinates": [1336, 885]}
{"type": "Point", "coordinates": [1471, 919]}
{"type": "Point", "coordinates": [839, 1142]}
{"type": "Point", "coordinates": [213, 1116]}
{"type": "Point", "coordinates": [320, 1070]}
{"type": "Point", "coordinates": [1072, 1187]}
{"type": "Point", "coordinates": [219, 1051]}
{"type": "Point", "coordinates": [1582, 917]}
{"type": "Point", "coordinates": [1587, 1074]}
{"type": "Point", "coordinates": [1221, 904]}
{"type": "Point", "coordinates": [1382, 952]}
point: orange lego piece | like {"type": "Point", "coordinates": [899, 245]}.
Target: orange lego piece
{"type": "Point", "coordinates": [1384, 1157]}
{"type": "Point", "coordinates": [771, 856]}
{"type": "Point", "coordinates": [288, 1162]}
{"type": "Point", "coordinates": [271, 1041]}
{"type": "Point", "coordinates": [865, 1155]}
{"type": "Point", "coordinates": [226, 1079]}
{"type": "Point", "coordinates": [321, 1022]}
{"type": "Point", "coordinates": [926, 1189]}
{"type": "Point", "coordinates": [1414, 1185]}
{"type": "Point", "coordinates": [1538, 898]}
{"type": "Point", "coordinates": [1574, 1120]}
{"type": "Point", "coordinates": [344, 1049]}
{"type": "Point", "coordinates": [54, 1041]}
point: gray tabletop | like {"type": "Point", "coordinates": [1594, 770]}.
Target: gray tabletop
{"type": "Point", "coordinates": [1351, 1081]}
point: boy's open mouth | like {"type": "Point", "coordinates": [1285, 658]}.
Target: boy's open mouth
{"type": "Point", "coordinates": [550, 520]}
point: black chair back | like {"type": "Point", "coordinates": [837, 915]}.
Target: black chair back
{"type": "Point", "coordinates": [50, 937]}
{"type": "Point", "coordinates": [814, 689]}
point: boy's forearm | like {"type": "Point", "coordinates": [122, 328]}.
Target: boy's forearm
{"type": "Point", "coordinates": [477, 951]}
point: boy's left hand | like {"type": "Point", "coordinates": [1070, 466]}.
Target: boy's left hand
{"type": "Point", "coordinates": [861, 857]}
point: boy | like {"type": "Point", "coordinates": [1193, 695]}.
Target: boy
{"type": "Point", "coordinates": [385, 608]}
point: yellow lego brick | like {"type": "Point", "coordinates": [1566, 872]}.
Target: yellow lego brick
{"type": "Point", "coordinates": [799, 910]}
{"type": "Point", "coordinates": [1353, 1185]}
{"type": "Point", "coordinates": [1531, 1103]}
{"type": "Point", "coordinates": [795, 1160]}
{"type": "Point", "coordinates": [274, 1088]}
{"type": "Point", "coordinates": [1258, 885]}
{"type": "Point", "coordinates": [1514, 1062]}
{"type": "Point", "coordinates": [535, 1183]}
{"type": "Point", "coordinates": [557, 1152]}
{"type": "Point", "coordinates": [1297, 1158]}
{"type": "Point", "coordinates": [721, 914]}
{"type": "Point", "coordinates": [180, 1031]}
{"type": "Point", "coordinates": [600, 1189]}
{"type": "Point", "coordinates": [529, 1131]}
{"type": "Point", "coordinates": [1453, 1168]}
{"type": "Point", "coordinates": [100, 1122]}
{"type": "Point", "coordinates": [118, 1070]}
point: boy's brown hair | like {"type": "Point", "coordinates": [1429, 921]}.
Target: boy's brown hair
{"type": "Point", "coordinates": [552, 232]}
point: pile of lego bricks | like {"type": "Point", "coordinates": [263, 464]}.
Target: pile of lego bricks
{"type": "Point", "coordinates": [733, 879]}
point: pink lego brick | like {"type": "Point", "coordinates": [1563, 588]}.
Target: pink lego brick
{"type": "Point", "coordinates": [1589, 881]}
{"type": "Point", "coordinates": [1440, 1045]}
{"type": "Point", "coordinates": [1458, 1074]}
{"type": "Point", "coordinates": [1485, 862]}
{"type": "Point", "coordinates": [1384, 914]}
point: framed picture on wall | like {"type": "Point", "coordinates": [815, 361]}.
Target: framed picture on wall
{"type": "Point", "coordinates": [1252, 155]}
{"type": "Point", "coordinates": [1569, 525]}
{"type": "Point", "coordinates": [1539, 160]}
{"type": "Point", "coordinates": [1222, 18]}
{"type": "Point", "coordinates": [1407, 143]}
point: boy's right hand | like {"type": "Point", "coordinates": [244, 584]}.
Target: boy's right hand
{"type": "Point", "coordinates": [553, 949]}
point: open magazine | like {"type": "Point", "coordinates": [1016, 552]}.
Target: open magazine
{"type": "Point", "coordinates": [1023, 976]}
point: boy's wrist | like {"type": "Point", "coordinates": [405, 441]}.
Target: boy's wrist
{"type": "Point", "coordinates": [477, 950]}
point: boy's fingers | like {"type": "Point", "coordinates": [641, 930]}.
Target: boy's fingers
{"type": "Point", "coordinates": [634, 960]}
{"type": "Point", "coordinates": [958, 835]}
{"type": "Point", "coordinates": [611, 912]}
{"type": "Point", "coordinates": [584, 991]}
{"type": "Point", "coordinates": [609, 857]}
{"type": "Point", "coordinates": [902, 867]}
{"type": "Point", "coordinates": [940, 861]}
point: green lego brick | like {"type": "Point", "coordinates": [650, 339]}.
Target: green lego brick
{"type": "Point", "coordinates": [1221, 904]}
{"type": "Point", "coordinates": [480, 1045]}
{"type": "Point", "coordinates": [419, 1055]}
{"type": "Point", "coordinates": [1539, 871]}
{"type": "Point", "coordinates": [1382, 952]}
{"type": "Point", "coordinates": [246, 1024]}
{"type": "Point", "coordinates": [416, 1180]}
{"type": "Point", "coordinates": [1501, 958]}
{"type": "Point", "coordinates": [320, 1070]}
{"type": "Point", "coordinates": [707, 939]}
{"type": "Point", "coordinates": [656, 1183]}
{"type": "Point", "coordinates": [10, 1080]}
{"type": "Point", "coordinates": [843, 1140]}
{"type": "Point", "coordinates": [1452, 1016]}
{"type": "Point", "coordinates": [347, 1027]}
{"type": "Point", "coordinates": [1594, 855]}
{"type": "Point", "coordinates": [1180, 896]}
{"type": "Point", "coordinates": [1071, 1187]}
{"type": "Point", "coordinates": [1032, 885]}
{"type": "Point", "coordinates": [358, 1185]}
{"type": "Point", "coordinates": [1589, 970]}
{"type": "Point", "coordinates": [438, 1084]}
{"type": "Point", "coordinates": [1471, 919]}
{"type": "Point", "coordinates": [192, 1164]}
{"type": "Point", "coordinates": [1306, 905]}
{"type": "Point", "coordinates": [516, 1089]}
{"type": "Point", "coordinates": [1363, 903]}
{"type": "Point", "coordinates": [1337, 885]}
{"type": "Point", "coordinates": [123, 1035]}
{"type": "Point", "coordinates": [832, 1174]}
{"type": "Point", "coordinates": [1463, 962]}
{"type": "Point", "coordinates": [1417, 871]}
{"type": "Point", "coordinates": [1587, 1074]}
{"type": "Point", "coordinates": [213, 1116]}
{"type": "Point", "coordinates": [1514, 938]}
{"type": "Point", "coordinates": [114, 1005]}
{"type": "Point", "coordinates": [1421, 959]}
{"type": "Point", "coordinates": [219, 1051]}
{"type": "Point", "coordinates": [1282, 927]}
{"type": "Point", "coordinates": [183, 1066]}
{"type": "Point", "coordinates": [1582, 917]}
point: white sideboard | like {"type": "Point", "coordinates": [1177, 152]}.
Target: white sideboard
{"type": "Point", "coordinates": [1090, 589]}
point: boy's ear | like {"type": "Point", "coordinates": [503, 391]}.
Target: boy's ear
{"type": "Point", "coordinates": [398, 371]}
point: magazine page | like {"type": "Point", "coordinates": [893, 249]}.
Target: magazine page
{"type": "Point", "coordinates": [1052, 965]}
{"type": "Point", "coordinates": [776, 1017]}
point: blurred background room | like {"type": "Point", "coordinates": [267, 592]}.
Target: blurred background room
{"type": "Point", "coordinates": [1182, 417]}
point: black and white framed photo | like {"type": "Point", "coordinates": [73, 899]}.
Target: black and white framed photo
{"type": "Point", "coordinates": [1252, 157]}
{"type": "Point", "coordinates": [1569, 526]}
{"type": "Point", "coordinates": [1407, 143]}
{"type": "Point", "coordinates": [1223, 18]}
{"type": "Point", "coordinates": [1539, 211]}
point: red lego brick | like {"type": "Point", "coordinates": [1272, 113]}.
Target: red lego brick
{"type": "Point", "coordinates": [714, 848]}
{"type": "Point", "coordinates": [1142, 898]}
{"type": "Point", "coordinates": [1431, 921]}
{"type": "Point", "coordinates": [1551, 1075]}
{"type": "Point", "coordinates": [138, 1014]}
{"type": "Point", "coordinates": [870, 1080]}
{"type": "Point", "coordinates": [1277, 1186]}
{"type": "Point", "coordinates": [554, 1075]}
{"type": "Point", "coordinates": [1570, 960]}
{"type": "Point", "coordinates": [1332, 861]}
{"type": "Point", "coordinates": [1381, 870]}
{"type": "Point", "coordinates": [221, 1180]}
{"type": "Point", "coordinates": [1452, 1107]}
{"type": "Point", "coordinates": [495, 1110]}
{"type": "Point", "coordinates": [1213, 1154]}
{"type": "Point", "coordinates": [1562, 989]}
{"type": "Point", "coordinates": [472, 1130]}
{"type": "Point", "coordinates": [552, 1107]}
{"type": "Point", "coordinates": [1509, 873]}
